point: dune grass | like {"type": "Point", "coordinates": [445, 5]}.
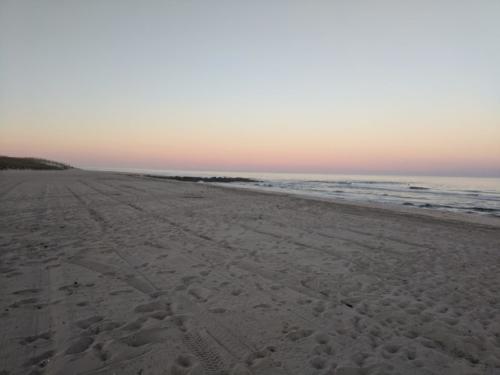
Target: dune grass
{"type": "Point", "coordinates": [7, 162]}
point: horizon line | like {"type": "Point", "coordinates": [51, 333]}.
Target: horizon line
{"type": "Point", "coordinates": [386, 174]}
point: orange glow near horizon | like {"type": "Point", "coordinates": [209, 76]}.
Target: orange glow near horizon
{"type": "Point", "coordinates": [323, 148]}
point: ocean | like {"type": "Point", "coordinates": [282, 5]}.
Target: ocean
{"type": "Point", "coordinates": [472, 195]}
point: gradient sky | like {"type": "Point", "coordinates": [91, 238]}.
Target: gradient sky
{"type": "Point", "coordinates": [348, 86]}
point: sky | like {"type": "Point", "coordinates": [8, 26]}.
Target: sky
{"type": "Point", "coordinates": [387, 87]}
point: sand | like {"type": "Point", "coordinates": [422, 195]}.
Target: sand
{"type": "Point", "coordinates": [105, 273]}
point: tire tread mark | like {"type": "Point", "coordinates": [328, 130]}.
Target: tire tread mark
{"type": "Point", "coordinates": [210, 359]}
{"type": "Point", "coordinates": [10, 188]}
{"type": "Point", "coordinates": [98, 218]}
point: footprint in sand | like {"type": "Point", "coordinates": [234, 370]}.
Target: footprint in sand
{"type": "Point", "coordinates": [302, 301]}
{"type": "Point", "coordinates": [319, 308]}
{"type": "Point", "coordinates": [13, 274]}
{"type": "Point", "coordinates": [200, 293]}
{"type": "Point", "coordinates": [188, 280]}
{"type": "Point", "coordinates": [298, 334]}
{"type": "Point", "coordinates": [180, 321]}
{"type": "Point", "coordinates": [185, 365]}
{"type": "Point", "coordinates": [135, 325]}
{"type": "Point", "coordinates": [146, 336]}
{"type": "Point", "coordinates": [322, 353]}
{"type": "Point", "coordinates": [120, 292]}
{"type": "Point", "coordinates": [6, 270]}
{"type": "Point", "coordinates": [99, 351]}
{"type": "Point", "coordinates": [391, 348]}
{"type": "Point", "coordinates": [240, 369]}
{"type": "Point", "coordinates": [80, 345]}
{"type": "Point", "coordinates": [318, 363]}
{"type": "Point", "coordinates": [152, 306]}
{"type": "Point", "coordinates": [24, 292]}
{"type": "Point", "coordinates": [261, 361]}
{"type": "Point", "coordinates": [349, 371]}
{"type": "Point", "coordinates": [23, 302]}
{"type": "Point", "coordinates": [256, 357]}
{"type": "Point", "coordinates": [42, 336]}
{"type": "Point", "coordinates": [40, 360]}
{"type": "Point", "coordinates": [110, 326]}
{"type": "Point", "coordinates": [323, 349]}
{"type": "Point", "coordinates": [411, 354]}
{"type": "Point", "coordinates": [50, 266]}
{"type": "Point", "coordinates": [160, 315]}
{"type": "Point", "coordinates": [70, 288]}
{"type": "Point", "coordinates": [86, 323]}
{"type": "Point", "coordinates": [262, 306]}
{"type": "Point", "coordinates": [217, 310]}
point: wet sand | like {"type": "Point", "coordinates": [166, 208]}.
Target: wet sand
{"type": "Point", "coordinates": [104, 273]}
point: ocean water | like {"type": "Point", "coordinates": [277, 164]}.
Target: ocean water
{"type": "Point", "coordinates": [471, 195]}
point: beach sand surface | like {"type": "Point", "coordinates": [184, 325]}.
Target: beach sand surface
{"type": "Point", "coordinates": [104, 273]}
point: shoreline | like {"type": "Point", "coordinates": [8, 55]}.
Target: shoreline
{"type": "Point", "coordinates": [474, 218]}
{"type": "Point", "coordinates": [460, 206]}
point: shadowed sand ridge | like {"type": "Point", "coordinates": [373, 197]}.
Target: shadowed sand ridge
{"type": "Point", "coordinates": [105, 273]}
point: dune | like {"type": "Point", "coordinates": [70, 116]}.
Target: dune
{"type": "Point", "coordinates": [104, 273]}
{"type": "Point", "coordinates": [9, 162]}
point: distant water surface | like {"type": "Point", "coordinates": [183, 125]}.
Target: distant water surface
{"type": "Point", "coordinates": [459, 194]}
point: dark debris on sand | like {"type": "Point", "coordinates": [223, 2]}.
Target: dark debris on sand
{"type": "Point", "coordinates": [204, 179]}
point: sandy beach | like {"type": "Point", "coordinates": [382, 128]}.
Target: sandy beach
{"type": "Point", "coordinates": [105, 273]}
